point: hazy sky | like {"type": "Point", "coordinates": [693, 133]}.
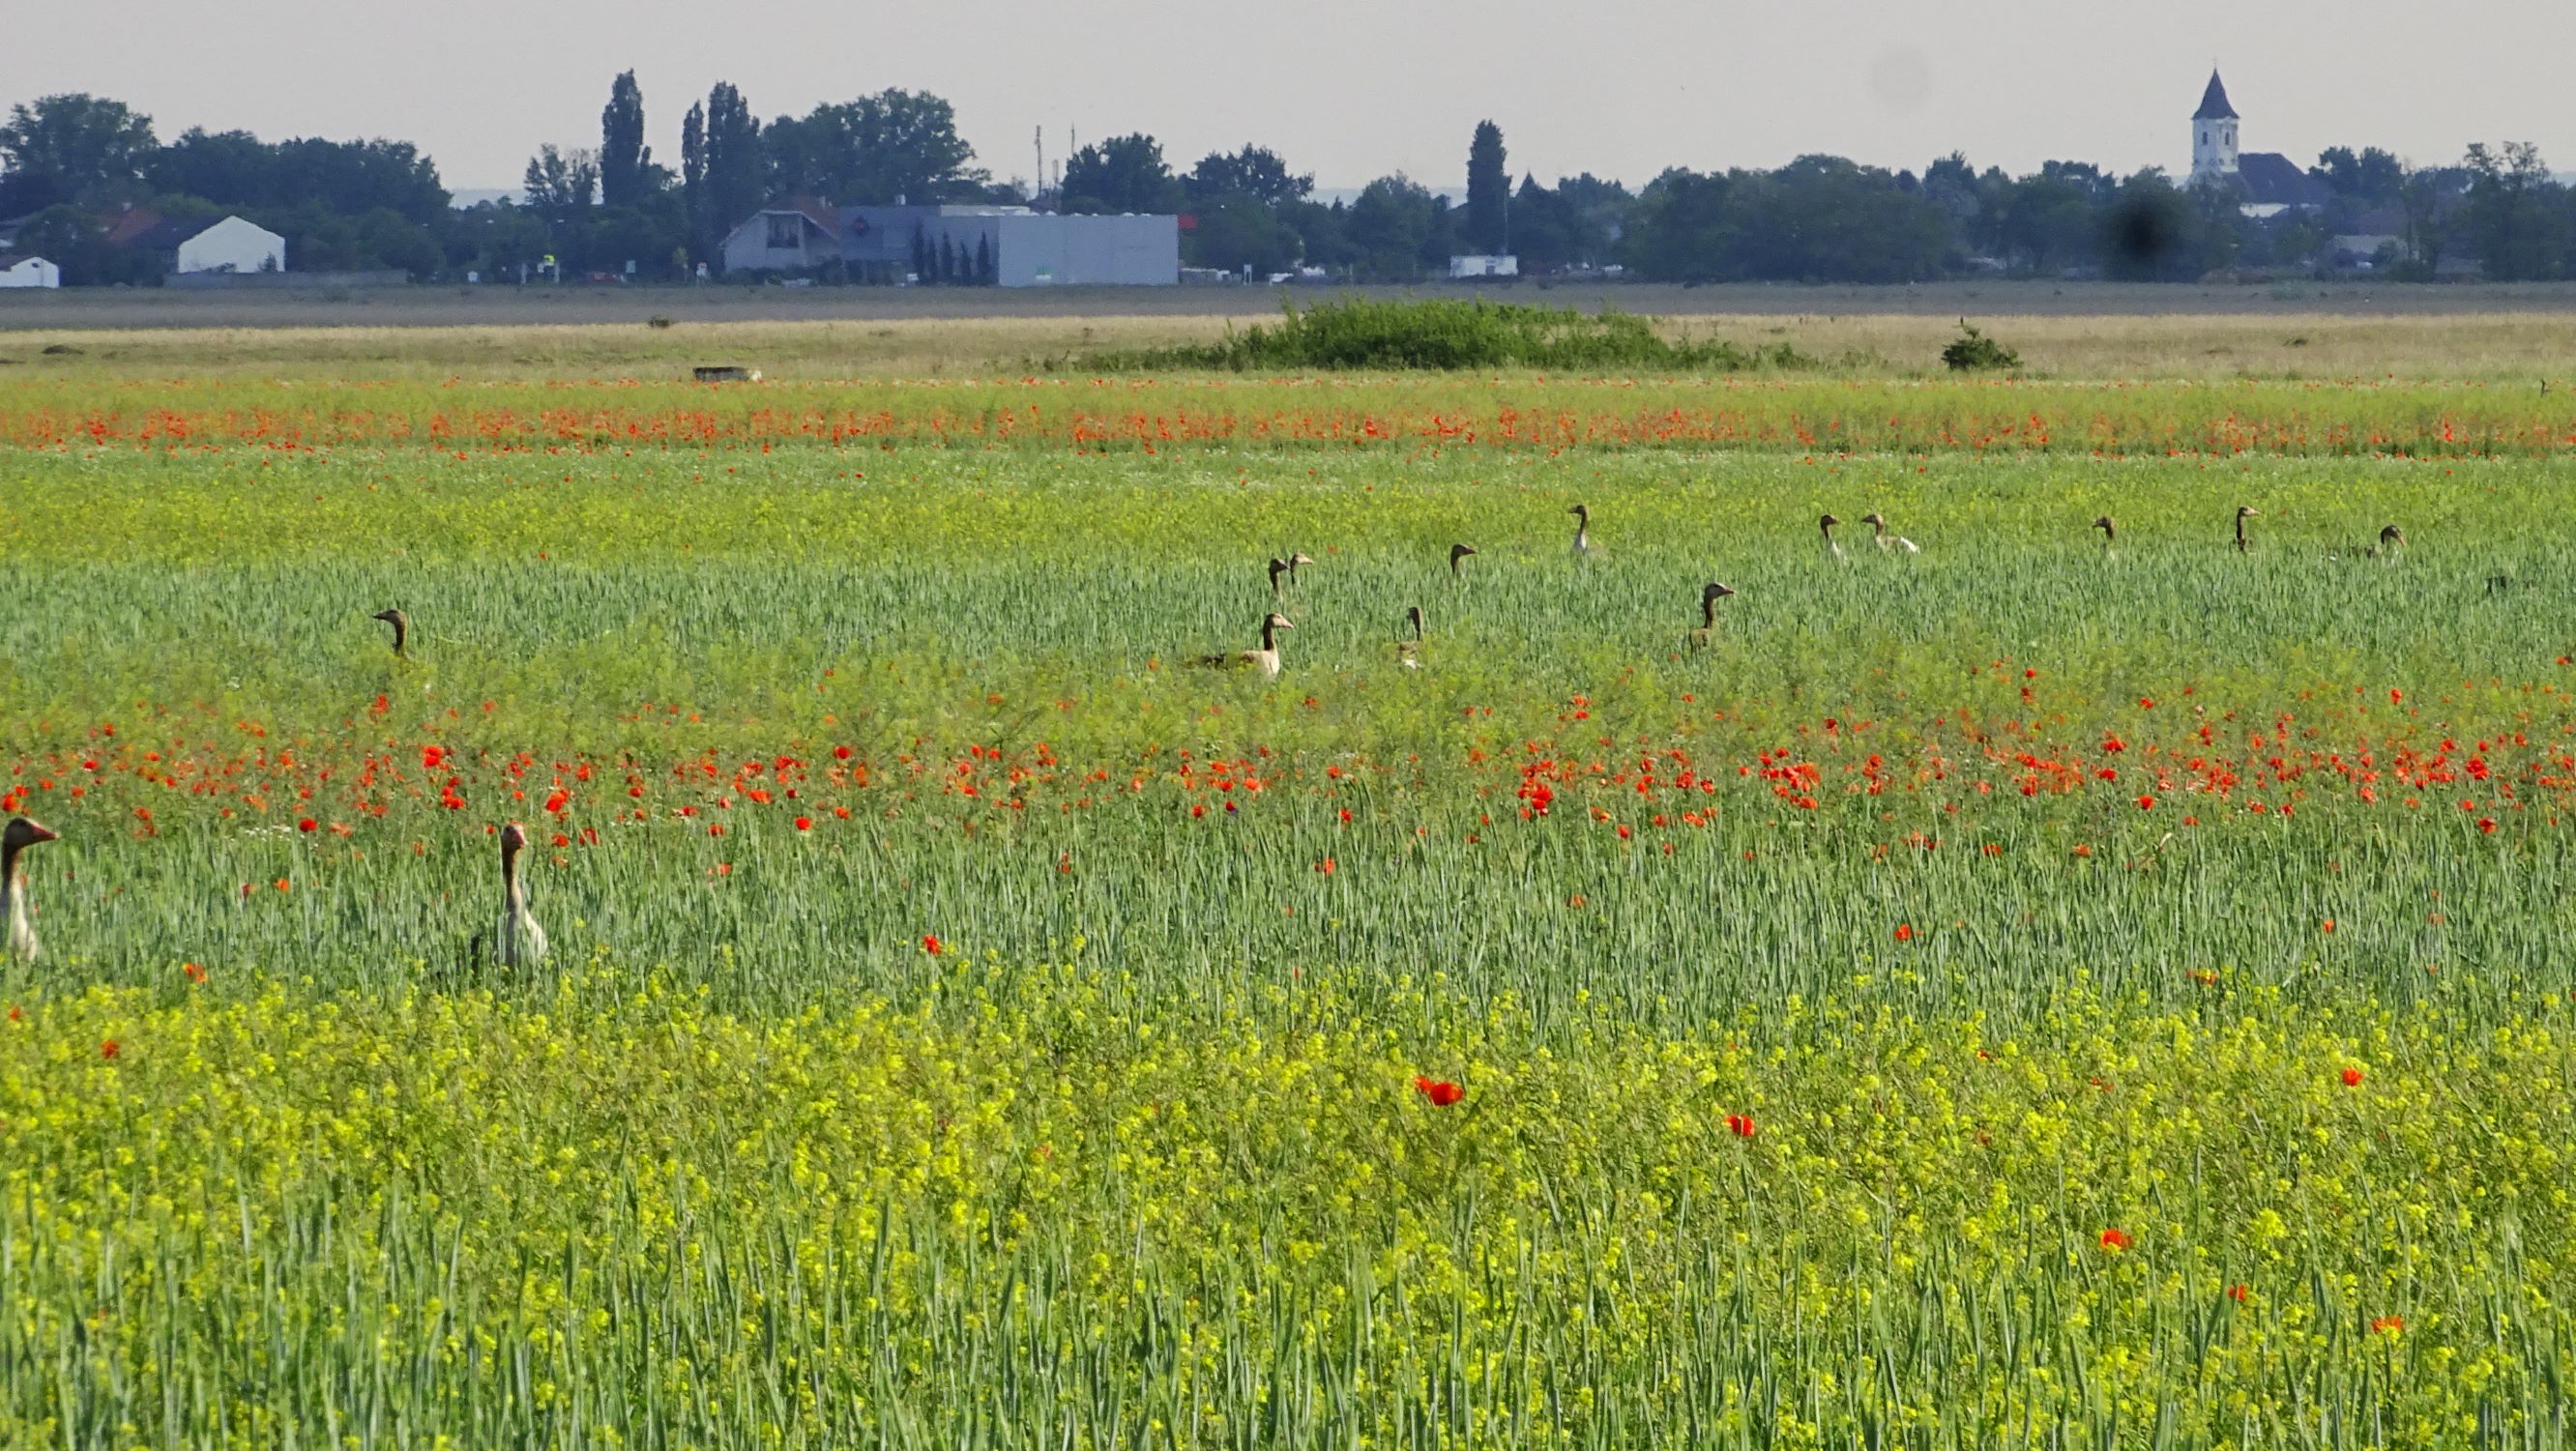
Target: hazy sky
{"type": "Point", "coordinates": [1351, 89]}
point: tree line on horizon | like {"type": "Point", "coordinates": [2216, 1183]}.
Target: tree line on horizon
{"type": "Point", "coordinates": [69, 163]}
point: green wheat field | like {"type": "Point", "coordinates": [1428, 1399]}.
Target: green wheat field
{"type": "Point", "coordinates": [2020, 992]}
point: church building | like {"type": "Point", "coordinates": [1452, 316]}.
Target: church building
{"type": "Point", "coordinates": [2266, 182]}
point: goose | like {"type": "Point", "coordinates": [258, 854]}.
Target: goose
{"type": "Point", "coordinates": [519, 941]}
{"type": "Point", "coordinates": [2391, 540]}
{"type": "Point", "coordinates": [2110, 535]}
{"type": "Point", "coordinates": [1458, 552]}
{"type": "Point", "coordinates": [1265, 659]}
{"type": "Point", "coordinates": [1709, 595]}
{"type": "Point", "coordinates": [1827, 523]}
{"type": "Point", "coordinates": [1287, 567]}
{"type": "Point", "coordinates": [2243, 513]}
{"type": "Point", "coordinates": [402, 629]}
{"type": "Point", "coordinates": [1584, 548]}
{"type": "Point", "coordinates": [1408, 649]}
{"type": "Point", "coordinates": [1897, 543]}
{"type": "Point", "coordinates": [20, 939]}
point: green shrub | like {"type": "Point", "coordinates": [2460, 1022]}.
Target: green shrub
{"type": "Point", "coordinates": [1451, 334]}
{"type": "Point", "coordinates": [1972, 350]}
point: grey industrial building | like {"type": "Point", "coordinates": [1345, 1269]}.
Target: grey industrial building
{"type": "Point", "coordinates": [992, 245]}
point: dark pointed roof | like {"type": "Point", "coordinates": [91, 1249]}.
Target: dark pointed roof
{"type": "Point", "coordinates": [2213, 102]}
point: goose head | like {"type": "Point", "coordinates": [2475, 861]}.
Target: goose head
{"type": "Point", "coordinates": [2392, 535]}
{"type": "Point", "coordinates": [1715, 591]}
{"type": "Point", "coordinates": [401, 623]}
{"type": "Point", "coordinates": [1581, 513]}
{"type": "Point", "coordinates": [1297, 559]}
{"type": "Point", "coordinates": [1413, 617]}
{"type": "Point", "coordinates": [514, 839]}
{"type": "Point", "coordinates": [25, 831]}
{"type": "Point", "coordinates": [1827, 523]}
{"type": "Point", "coordinates": [1874, 520]}
{"type": "Point", "coordinates": [1277, 621]}
{"type": "Point", "coordinates": [1458, 552]}
{"type": "Point", "coordinates": [2104, 524]}
{"type": "Point", "coordinates": [2248, 511]}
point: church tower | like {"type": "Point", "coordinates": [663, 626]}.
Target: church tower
{"type": "Point", "coordinates": [2213, 135]}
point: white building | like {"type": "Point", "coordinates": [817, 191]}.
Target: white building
{"type": "Point", "coordinates": [2266, 182]}
{"type": "Point", "coordinates": [993, 246]}
{"type": "Point", "coordinates": [2213, 135]}
{"type": "Point", "coordinates": [1482, 265]}
{"type": "Point", "coordinates": [17, 269]}
{"type": "Point", "coordinates": [233, 245]}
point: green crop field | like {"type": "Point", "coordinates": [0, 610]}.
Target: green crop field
{"type": "Point", "coordinates": [2020, 992]}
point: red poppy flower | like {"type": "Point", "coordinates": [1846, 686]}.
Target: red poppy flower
{"type": "Point", "coordinates": [2352, 1078]}
{"type": "Point", "coordinates": [193, 971]}
{"type": "Point", "coordinates": [1904, 931]}
{"type": "Point", "coordinates": [930, 944]}
{"type": "Point", "coordinates": [2146, 803]}
{"type": "Point", "coordinates": [2387, 1324]}
{"type": "Point", "coordinates": [2116, 1239]}
{"type": "Point", "coordinates": [308, 826]}
{"type": "Point", "coordinates": [840, 753]}
{"type": "Point", "coordinates": [1741, 1125]}
{"type": "Point", "coordinates": [2236, 1293]}
{"type": "Point", "coordinates": [2326, 926]}
{"type": "Point", "coordinates": [2487, 824]}
{"type": "Point", "coordinates": [107, 1049]}
{"type": "Point", "coordinates": [804, 823]}
{"type": "Point", "coordinates": [1441, 1092]}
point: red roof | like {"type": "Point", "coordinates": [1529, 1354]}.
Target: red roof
{"type": "Point", "coordinates": [129, 224]}
{"type": "Point", "coordinates": [812, 209]}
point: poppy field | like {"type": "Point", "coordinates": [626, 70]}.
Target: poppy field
{"type": "Point", "coordinates": [2029, 990]}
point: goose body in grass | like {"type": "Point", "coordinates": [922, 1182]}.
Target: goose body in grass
{"type": "Point", "coordinates": [17, 913]}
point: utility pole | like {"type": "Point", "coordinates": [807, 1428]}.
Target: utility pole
{"type": "Point", "coordinates": [1039, 184]}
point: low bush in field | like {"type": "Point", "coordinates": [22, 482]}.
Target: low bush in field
{"type": "Point", "coordinates": [1453, 334]}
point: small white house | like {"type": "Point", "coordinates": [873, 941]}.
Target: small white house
{"type": "Point", "coordinates": [233, 245]}
{"type": "Point", "coordinates": [17, 269]}
{"type": "Point", "coordinates": [1485, 265]}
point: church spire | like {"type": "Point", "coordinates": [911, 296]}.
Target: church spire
{"type": "Point", "coordinates": [2213, 102]}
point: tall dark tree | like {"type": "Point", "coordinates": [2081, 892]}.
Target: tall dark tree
{"type": "Point", "coordinates": [693, 176]}
{"type": "Point", "coordinates": [736, 175]}
{"type": "Point", "coordinates": [2429, 222]}
{"type": "Point", "coordinates": [1489, 191]}
{"type": "Point", "coordinates": [1255, 171]}
{"type": "Point", "coordinates": [2511, 212]}
{"type": "Point", "coordinates": [874, 150]}
{"type": "Point", "coordinates": [560, 183]}
{"type": "Point", "coordinates": [2371, 176]}
{"type": "Point", "coordinates": [624, 159]}
{"type": "Point", "coordinates": [72, 147]}
{"type": "Point", "coordinates": [1121, 174]}
{"type": "Point", "coordinates": [1397, 230]}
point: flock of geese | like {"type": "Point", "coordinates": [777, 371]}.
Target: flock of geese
{"type": "Point", "coordinates": [1409, 645]}
{"type": "Point", "coordinates": [517, 940]}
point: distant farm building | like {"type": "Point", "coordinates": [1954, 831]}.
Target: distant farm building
{"type": "Point", "coordinates": [17, 269]}
{"type": "Point", "coordinates": [230, 245]}
{"type": "Point", "coordinates": [977, 245]}
{"type": "Point", "coordinates": [1484, 265]}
